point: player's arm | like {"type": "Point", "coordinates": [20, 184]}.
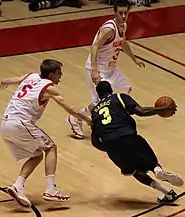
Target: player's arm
{"type": "Point", "coordinates": [134, 108]}
{"type": "Point", "coordinates": [52, 92]}
{"type": "Point", "coordinates": [126, 48]}
{"type": "Point", "coordinates": [12, 80]}
{"type": "Point", "coordinates": [150, 111]}
{"type": "Point", "coordinates": [104, 35]}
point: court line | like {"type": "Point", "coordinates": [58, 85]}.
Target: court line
{"type": "Point", "coordinates": [35, 210]}
{"type": "Point", "coordinates": [176, 213]}
{"type": "Point", "coordinates": [159, 206]}
{"type": "Point", "coordinates": [162, 68]}
{"type": "Point", "coordinates": [57, 14]}
{"type": "Point", "coordinates": [158, 53]}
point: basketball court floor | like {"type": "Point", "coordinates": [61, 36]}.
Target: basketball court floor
{"type": "Point", "coordinates": [93, 182]}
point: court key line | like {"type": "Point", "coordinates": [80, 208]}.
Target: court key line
{"type": "Point", "coordinates": [158, 53]}
{"type": "Point", "coordinates": [161, 205]}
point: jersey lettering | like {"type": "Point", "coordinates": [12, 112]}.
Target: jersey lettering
{"type": "Point", "coordinates": [106, 114]}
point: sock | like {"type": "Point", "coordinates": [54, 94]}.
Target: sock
{"type": "Point", "coordinates": [19, 184]}
{"type": "Point", "coordinates": [159, 187]}
{"type": "Point", "coordinates": [157, 169]}
{"type": "Point", "coordinates": [50, 184]}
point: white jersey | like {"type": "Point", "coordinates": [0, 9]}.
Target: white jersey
{"type": "Point", "coordinates": [108, 53]}
{"type": "Point", "coordinates": [26, 102]}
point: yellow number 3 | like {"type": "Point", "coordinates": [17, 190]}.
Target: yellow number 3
{"type": "Point", "coordinates": [106, 114]}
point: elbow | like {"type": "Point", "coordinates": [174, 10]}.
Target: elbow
{"type": "Point", "coordinates": [139, 111]}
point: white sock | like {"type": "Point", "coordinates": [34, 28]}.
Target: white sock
{"type": "Point", "coordinates": [157, 169]}
{"type": "Point", "coordinates": [50, 184]}
{"type": "Point", "coordinates": [159, 187]}
{"type": "Point", "coordinates": [19, 184]}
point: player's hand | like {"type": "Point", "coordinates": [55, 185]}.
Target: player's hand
{"type": "Point", "coordinates": [140, 64]}
{"type": "Point", "coordinates": [95, 75]}
{"type": "Point", "coordinates": [172, 108]}
{"type": "Point", "coordinates": [3, 86]}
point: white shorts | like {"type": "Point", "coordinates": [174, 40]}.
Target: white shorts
{"type": "Point", "coordinates": [115, 78]}
{"type": "Point", "coordinates": [24, 139]}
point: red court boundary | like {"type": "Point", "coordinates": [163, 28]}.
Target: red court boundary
{"type": "Point", "coordinates": [176, 213]}
{"type": "Point", "coordinates": [73, 33]}
{"type": "Point", "coordinates": [158, 53]}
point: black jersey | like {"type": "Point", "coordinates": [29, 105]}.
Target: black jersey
{"type": "Point", "coordinates": [111, 117]}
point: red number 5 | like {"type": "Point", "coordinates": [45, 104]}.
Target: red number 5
{"type": "Point", "coordinates": [24, 90]}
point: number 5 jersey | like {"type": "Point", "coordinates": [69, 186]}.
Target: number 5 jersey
{"type": "Point", "coordinates": [26, 103]}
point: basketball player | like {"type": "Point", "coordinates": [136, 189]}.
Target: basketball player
{"type": "Point", "coordinates": [101, 63]}
{"type": "Point", "coordinates": [114, 131]}
{"type": "Point", "coordinates": [26, 140]}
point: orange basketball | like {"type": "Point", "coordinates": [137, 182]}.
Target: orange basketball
{"type": "Point", "coordinates": [165, 101]}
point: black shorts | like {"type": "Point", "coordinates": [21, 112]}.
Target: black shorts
{"type": "Point", "coordinates": [131, 153]}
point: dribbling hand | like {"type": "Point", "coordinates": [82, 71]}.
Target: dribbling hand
{"type": "Point", "coordinates": [172, 108]}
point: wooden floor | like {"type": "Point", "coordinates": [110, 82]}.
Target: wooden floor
{"type": "Point", "coordinates": [94, 183]}
{"type": "Point", "coordinates": [16, 13]}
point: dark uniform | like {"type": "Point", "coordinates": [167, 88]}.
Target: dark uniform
{"type": "Point", "coordinates": [114, 131]}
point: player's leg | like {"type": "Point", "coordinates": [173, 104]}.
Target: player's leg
{"type": "Point", "coordinates": [12, 133]}
{"type": "Point", "coordinates": [169, 194]}
{"type": "Point", "coordinates": [16, 190]}
{"type": "Point", "coordinates": [148, 159]}
{"type": "Point", "coordinates": [46, 144]}
{"type": "Point", "coordinates": [119, 82]}
{"type": "Point", "coordinates": [52, 193]}
{"type": "Point", "coordinates": [75, 124]}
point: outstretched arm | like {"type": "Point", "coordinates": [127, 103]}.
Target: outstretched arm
{"type": "Point", "coordinates": [126, 48]}
{"type": "Point", "coordinates": [150, 111]}
{"type": "Point", "coordinates": [133, 107]}
{"type": "Point", "coordinates": [12, 80]}
{"type": "Point", "coordinates": [52, 92]}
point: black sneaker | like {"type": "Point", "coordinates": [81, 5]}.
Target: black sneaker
{"type": "Point", "coordinates": [170, 197]}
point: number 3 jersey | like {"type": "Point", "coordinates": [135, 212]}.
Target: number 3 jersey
{"type": "Point", "coordinates": [111, 117]}
{"type": "Point", "coordinates": [108, 53]}
{"type": "Point", "coordinates": [26, 102]}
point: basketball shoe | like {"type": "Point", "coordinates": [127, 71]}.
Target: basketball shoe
{"type": "Point", "coordinates": [173, 179]}
{"type": "Point", "coordinates": [57, 196]}
{"type": "Point", "coordinates": [18, 195]}
{"type": "Point", "coordinates": [76, 127]}
{"type": "Point", "coordinates": [170, 197]}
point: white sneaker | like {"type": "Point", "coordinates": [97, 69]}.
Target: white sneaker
{"type": "Point", "coordinates": [76, 127]}
{"type": "Point", "coordinates": [19, 196]}
{"type": "Point", "coordinates": [170, 177]}
{"type": "Point", "coordinates": [58, 196]}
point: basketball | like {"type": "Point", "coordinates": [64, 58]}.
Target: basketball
{"type": "Point", "coordinates": [165, 101]}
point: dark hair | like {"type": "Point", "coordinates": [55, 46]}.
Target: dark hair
{"type": "Point", "coordinates": [103, 89]}
{"type": "Point", "coordinates": [121, 3]}
{"type": "Point", "coordinates": [49, 66]}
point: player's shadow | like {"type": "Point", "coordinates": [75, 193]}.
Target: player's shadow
{"type": "Point", "coordinates": [120, 203]}
{"type": "Point", "coordinates": [49, 206]}
{"type": "Point", "coordinates": [113, 203]}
